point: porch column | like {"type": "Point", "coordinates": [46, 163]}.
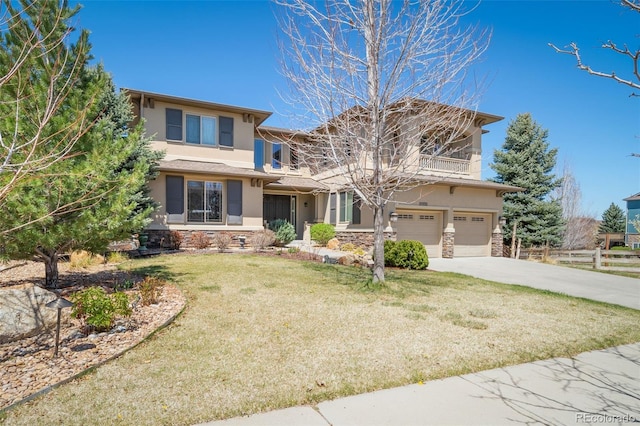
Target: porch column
{"type": "Point", "coordinates": [496, 237]}
{"type": "Point", "coordinates": [448, 235]}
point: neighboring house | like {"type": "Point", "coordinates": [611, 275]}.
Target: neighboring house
{"type": "Point", "coordinates": [632, 235]}
{"type": "Point", "coordinates": [225, 171]}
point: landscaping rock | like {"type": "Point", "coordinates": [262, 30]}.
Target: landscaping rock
{"type": "Point", "coordinates": [23, 312]}
{"type": "Point", "coordinates": [333, 244]}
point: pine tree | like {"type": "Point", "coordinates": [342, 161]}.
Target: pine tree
{"type": "Point", "coordinates": [525, 160]}
{"type": "Point", "coordinates": [97, 194]}
{"type": "Point", "coordinates": [613, 220]}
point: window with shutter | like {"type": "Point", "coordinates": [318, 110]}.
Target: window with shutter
{"type": "Point", "coordinates": [226, 131]}
{"type": "Point", "coordinates": [258, 153]}
{"type": "Point", "coordinates": [174, 124]}
{"type": "Point", "coordinates": [175, 198]}
{"type": "Point", "coordinates": [234, 202]}
{"type": "Point", "coordinates": [332, 208]}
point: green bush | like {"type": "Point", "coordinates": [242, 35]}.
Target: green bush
{"type": "Point", "coordinates": [285, 232]}
{"type": "Point", "coordinates": [97, 309]}
{"type": "Point", "coordinates": [321, 233]}
{"type": "Point", "coordinates": [405, 254]}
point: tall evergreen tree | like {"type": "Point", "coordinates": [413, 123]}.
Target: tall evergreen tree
{"type": "Point", "coordinates": [525, 160]}
{"type": "Point", "coordinates": [97, 194]}
{"type": "Point", "coordinates": [42, 112]}
{"type": "Point", "coordinates": [613, 220]}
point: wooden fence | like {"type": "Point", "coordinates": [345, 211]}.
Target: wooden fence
{"type": "Point", "coordinates": [608, 260]}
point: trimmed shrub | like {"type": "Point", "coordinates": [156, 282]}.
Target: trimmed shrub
{"type": "Point", "coordinates": [222, 240]}
{"type": "Point", "coordinates": [321, 233]}
{"type": "Point", "coordinates": [97, 309]}
{"type": "Point", "coordinates": [261, 239]}
{"type": "Point", "coordinates": [285, 232]}
{"type": "Point", "coordinates": [200, 240]}
{"type": "Point", "coordinates": [405, 254]}
{"type": "Point", "coordinates": [175, 240]}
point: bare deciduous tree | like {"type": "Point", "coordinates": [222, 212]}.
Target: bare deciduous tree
{"type": "Point", "coordinates": [580, 228]}
{"type": "Point", "coordinates": [38, 71]}
{"type": "Point", "coordinates": [633, 80]}
{"type": "Point", "coordinates": [379, 86]}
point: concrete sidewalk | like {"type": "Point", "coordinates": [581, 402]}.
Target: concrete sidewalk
{"type": "Point", "coordinates": [593, 388]}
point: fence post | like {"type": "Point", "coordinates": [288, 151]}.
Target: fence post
{"type": "Point", "coordinates": [597, 259]}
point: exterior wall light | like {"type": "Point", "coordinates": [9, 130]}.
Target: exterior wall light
{"type": "Point", "coordinates": [393, 217]}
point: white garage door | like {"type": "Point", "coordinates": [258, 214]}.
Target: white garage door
{"type": "Point", "coordinates": [422, 226]}
{"type": "Point", "coordinates": [473, 235]}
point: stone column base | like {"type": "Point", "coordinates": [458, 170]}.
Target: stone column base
{"type": "Point", "coordinates": [497, 244]}
{"type": "Point", "coordinates": [448, 239]}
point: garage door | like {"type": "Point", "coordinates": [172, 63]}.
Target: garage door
{"type": "Point", "coordinates": [422, 226]}
{"type": "Point", "coordinates": [473, 235]}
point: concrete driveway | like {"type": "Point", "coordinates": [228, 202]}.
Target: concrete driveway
{"type": "Point", "coordinates": [588, 284]}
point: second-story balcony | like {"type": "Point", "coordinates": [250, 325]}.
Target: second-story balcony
{"type": "Point", "coordinates": [444, 164]}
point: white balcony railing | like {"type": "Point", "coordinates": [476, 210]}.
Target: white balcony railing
{"type": "Point", "coordinates": [444, 164]}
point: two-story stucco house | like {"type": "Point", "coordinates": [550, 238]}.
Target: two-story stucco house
{"type": "Point", "coordinates": [632, 235]}
{"type": "Point", "coordinates": [226, 171]}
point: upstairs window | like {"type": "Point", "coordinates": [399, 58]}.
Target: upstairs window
{"type": "Point", "coordinates": [276, 155]}
{"type": "Point", "coordinates": [174, 124]}
{"type": "Point", "coordinates": [226, 131]}
{"type": "Point", "coordinates": [201, 130]}
{"type": "Point", "coordinates": [294, 163]}
{"type": "Point", "coordinates": [258, 153]}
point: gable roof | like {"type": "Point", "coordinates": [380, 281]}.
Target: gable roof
{"type": "Point", "coordinates": [633, 197]}
{"type": "Point", "coordinates": [259, 115]}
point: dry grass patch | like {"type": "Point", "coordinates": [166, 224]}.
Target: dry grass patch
{"type": "Point", "coordinates": [262, 333]}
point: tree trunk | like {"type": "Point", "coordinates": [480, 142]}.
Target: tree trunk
{"type": "Point", "coordinates": [378, 245]}
{"type": "Point", "coordinates": [50, 260]}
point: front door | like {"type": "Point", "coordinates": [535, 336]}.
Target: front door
{"type": "Point", "coordinates": [276, 207]}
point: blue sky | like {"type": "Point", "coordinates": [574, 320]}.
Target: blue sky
{"type": "Point", "coordinates": [225, 52]}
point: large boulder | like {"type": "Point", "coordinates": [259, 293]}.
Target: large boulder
{"type": "Point", "coordinates": [23, 312]}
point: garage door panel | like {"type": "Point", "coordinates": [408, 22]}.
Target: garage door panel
{"type": "Point", "coordinates": [422, 226]}
{"type": "Point", "coordinates": [473, 235]}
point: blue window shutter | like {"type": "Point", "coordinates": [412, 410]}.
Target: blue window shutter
{"type": "Point", "coordinates": [174, 124]}
{"type": "Point", "coordinates": [226, 131]}
{"type": "Point", "coordinates": [234, 202]}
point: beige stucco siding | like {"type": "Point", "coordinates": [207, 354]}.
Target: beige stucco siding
{"type": "Point", "coordinates": [440, 196]}
{"type": "Point", "coordinates": [240, 155]}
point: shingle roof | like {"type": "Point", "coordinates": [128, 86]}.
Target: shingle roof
{"type": "Point", "coordinates": [299, 183]}
{"type": "Point", "coordinates": [210, 168]}
{"type": "Point", "coordinates": [633, 197]}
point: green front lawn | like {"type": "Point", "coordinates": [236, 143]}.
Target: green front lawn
{"type": "Point", "coordinates": [262, 333]}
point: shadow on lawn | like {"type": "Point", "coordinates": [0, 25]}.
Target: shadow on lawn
{"type": "Point", "coordinates": [159, 271]}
